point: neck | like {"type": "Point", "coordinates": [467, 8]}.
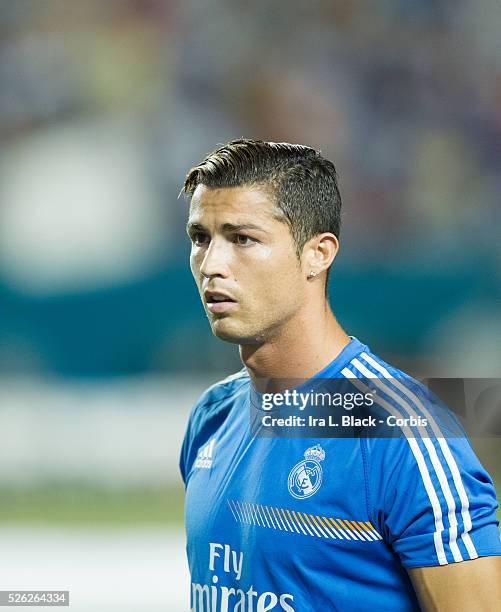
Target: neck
{"type": "Point", "coordinates": [303, 347]}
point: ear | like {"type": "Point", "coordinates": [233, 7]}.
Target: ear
{"type": "Point", "coordinates": [319, 253]}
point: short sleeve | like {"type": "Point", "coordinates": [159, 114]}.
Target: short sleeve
{"type": "Point", "coordinates": [185, 453]}
{"type": "Point", "coordinates": [193, 438]}
{"type": "Point", "coordinates": [206, 417]}
{"type": "Point", "coordinates": [433, 500]}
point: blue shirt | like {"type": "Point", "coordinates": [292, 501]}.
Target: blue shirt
{"type": "Point", "coordinates": [329, 523]}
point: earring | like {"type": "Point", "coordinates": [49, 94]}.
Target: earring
{"type": "Point", "coordinates": [312, 274]}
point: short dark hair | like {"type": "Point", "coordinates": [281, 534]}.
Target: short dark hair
{"type": "Point", "coordinates": [303, 183]}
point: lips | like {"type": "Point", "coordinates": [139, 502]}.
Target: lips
{"type": "Point", "coordinates": [218, 301]}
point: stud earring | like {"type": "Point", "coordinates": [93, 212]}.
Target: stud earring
{"type": "Point", "coordinates": [312, 274]}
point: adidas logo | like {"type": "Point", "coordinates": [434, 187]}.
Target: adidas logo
{"type": "Point", "coordinates": [204, 457]}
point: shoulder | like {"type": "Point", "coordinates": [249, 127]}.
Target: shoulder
{"type": "Point", "coordinates": [402, 397]}
{"type": "Point", "coordinates": [218, 397]}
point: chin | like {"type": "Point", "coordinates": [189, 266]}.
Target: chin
{"type": "Point", "coordinates": [225, 330]}
{"type": "Point", "coordinates": [230, 331]}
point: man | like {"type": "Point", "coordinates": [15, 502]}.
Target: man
{"type": "Point", "coordinates": [341, 523]}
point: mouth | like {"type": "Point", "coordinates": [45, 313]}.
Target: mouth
{"type": "Point", "coordinates": [218, 302]}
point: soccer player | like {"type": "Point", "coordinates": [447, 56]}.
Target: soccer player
{"type": "Point", "coordinates": [305, 524]}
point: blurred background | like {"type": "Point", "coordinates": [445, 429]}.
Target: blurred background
{"type": "Point", "coordinates": [104, 346]}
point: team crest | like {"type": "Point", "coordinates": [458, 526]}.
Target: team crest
{"type": "Point", "coordinates": [305, 477]}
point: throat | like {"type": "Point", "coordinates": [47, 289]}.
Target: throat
{"type": "Point", "coordinates": [294, 358]}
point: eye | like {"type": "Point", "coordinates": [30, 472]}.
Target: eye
{"type": "Point", "coordinates": [199, 238]}
{"type": "Point", "coordinates": [243, 240]}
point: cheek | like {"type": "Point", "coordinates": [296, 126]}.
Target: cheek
{"type": "Point", "coordinates": [279, 281]}
{"type": "Point", "coordinates": [276, 260]}
{"type": "Point", "coordinates": [195, 271]}
{"type": "Point", "coordinates": [195, 265]}
{"type": "Point", "coordinates": [285, 268]}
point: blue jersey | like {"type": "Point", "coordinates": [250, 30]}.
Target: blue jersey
{"type": "Point", "coordinates": [364, 511]}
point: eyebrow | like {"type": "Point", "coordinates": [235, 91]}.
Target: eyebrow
{"type": "Point", "coordinates": [227, 227]}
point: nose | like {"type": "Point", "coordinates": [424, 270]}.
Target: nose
{"type": "Point", "coordinates": [215, 261]}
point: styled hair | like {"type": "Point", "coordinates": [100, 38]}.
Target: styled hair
{"type": "Point", "coordinates": [303, 184]}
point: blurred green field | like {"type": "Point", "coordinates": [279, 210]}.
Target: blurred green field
{"type": "Point", "coordinates": [84, 504]}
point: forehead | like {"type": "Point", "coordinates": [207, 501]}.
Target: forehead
{"type": "Point", "coordinates": [246, 203]}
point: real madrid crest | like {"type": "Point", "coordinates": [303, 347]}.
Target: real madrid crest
{"type": "Point", "coordinates": [305, 477]}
